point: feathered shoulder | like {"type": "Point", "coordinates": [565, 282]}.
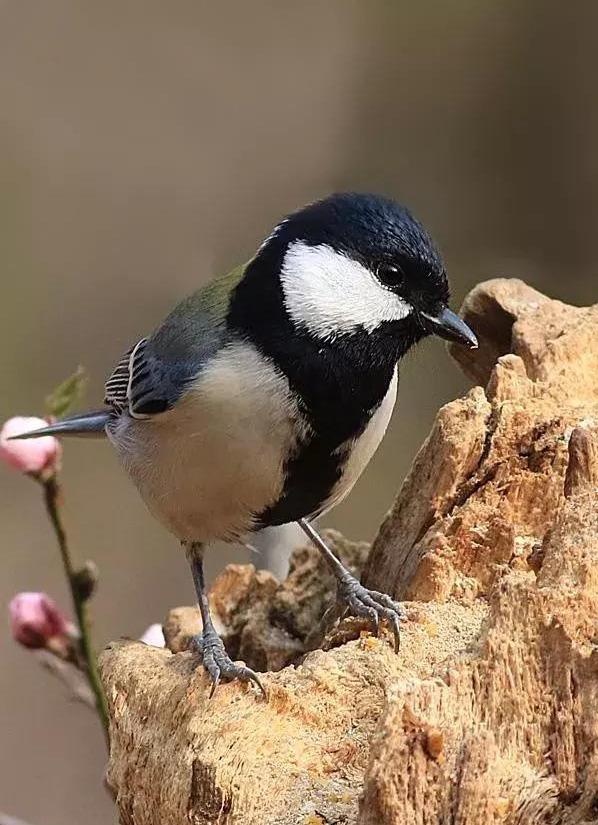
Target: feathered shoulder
{"type": "Point", "coordinates": [154, 373]}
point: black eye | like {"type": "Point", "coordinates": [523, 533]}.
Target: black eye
{"type": "Point", "coordinates": [390, 275]}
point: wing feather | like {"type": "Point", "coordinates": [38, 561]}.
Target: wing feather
{"type": "Point", "coordinates": [117, 386]}
{"type": "Point", "coordinates": [154, 373]}
{"type": "Point", "coordinates": [139, 383]}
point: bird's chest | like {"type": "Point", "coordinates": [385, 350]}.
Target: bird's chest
{"type": "Point", "coordinates": [356, 453]}
{"type": "Point", "coordinates": [206, 467]}
{"type": "Point", "coordinates": [325, 468]}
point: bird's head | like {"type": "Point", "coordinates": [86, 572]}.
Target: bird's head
{"type": "Point", "coordinates": [354, 262]}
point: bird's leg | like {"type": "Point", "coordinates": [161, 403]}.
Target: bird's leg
{"type": "Point", "coordinates": [351, 596]}
{"type": "Point", "coordinates": [208, 643]}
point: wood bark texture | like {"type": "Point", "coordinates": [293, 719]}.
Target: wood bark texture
{"type": "Point", "coordinates": [488, 714]}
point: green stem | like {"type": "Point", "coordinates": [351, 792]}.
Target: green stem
{"type": "Point", "coordinates": [53, 500]}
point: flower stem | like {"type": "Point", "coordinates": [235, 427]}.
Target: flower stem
{"type": "Point", "coordinates": [53, 500]}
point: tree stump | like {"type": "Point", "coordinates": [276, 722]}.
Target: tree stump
{"type": "Point", "coordinates": [488, 713]}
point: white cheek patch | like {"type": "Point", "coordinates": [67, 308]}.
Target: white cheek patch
{"type": "Point", "coordinates": [330, 293]}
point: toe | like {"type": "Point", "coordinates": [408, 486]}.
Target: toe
{"type": "Point", "coordinates": [213, 668]}
{"type": "Point", "coordinates": [231, 670]}
{"type": "Point", "coordinates": [374, 618]}
{"type": "Point", "coordinates": [386, 601]}
{"type": "Point", "coordinates": [374, 606]}
{"type": "Point", "coordinates": [218, 664]}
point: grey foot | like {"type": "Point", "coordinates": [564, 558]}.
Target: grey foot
{"type": "Point", "coordinates": [218, 663]}
{"type": "Point", "coordinates": [354, 599]}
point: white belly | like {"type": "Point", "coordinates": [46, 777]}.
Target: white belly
{"type": "Point", "coordinates": [208, 466]}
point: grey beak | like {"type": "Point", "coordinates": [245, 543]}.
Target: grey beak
{"type": "Point", "coordinates": [447, 324]}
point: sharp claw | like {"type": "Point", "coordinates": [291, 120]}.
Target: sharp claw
{"type": "Point", "coordinates": [395, 625]}
{"type": "Point", "coordinates": [376, 622]}
{"type": "Point", "coordinates": [254, 678]}
{"type": "Point", "coordinates": [246, 674]}
{"type": "Point", "coordinates": [215, 684]}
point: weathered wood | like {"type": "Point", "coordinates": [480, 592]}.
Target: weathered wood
{"type": "Point", "coordinates": [488, 714]}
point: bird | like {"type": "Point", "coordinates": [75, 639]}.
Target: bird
{"type": "Point", "coordinates": [262, 397]}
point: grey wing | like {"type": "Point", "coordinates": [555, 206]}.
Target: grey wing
{"type": "Point", "coordinates": [151, 377]}
{"type": "Point", "coordinates": [143, 385]}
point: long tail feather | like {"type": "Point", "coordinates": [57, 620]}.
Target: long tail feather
{"type": "Point", "coordinates": [84, 424]}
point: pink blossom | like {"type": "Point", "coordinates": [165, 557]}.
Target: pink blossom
{"type": "Point", "coordinates": [31, 455]}
{"type": "Point", "coordinates": [37, 621]}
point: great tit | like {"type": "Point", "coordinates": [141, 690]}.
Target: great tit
{"type": "Point", "coordinates": [262, 397]}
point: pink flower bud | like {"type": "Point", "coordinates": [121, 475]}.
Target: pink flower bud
{"type": "Point", "coordinates": [32, 455]}
{"type": "Point", "coordinates": [37, 621]}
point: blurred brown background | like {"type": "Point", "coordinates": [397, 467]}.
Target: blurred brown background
{"type": "Point", "coordinates": [145, 146]}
